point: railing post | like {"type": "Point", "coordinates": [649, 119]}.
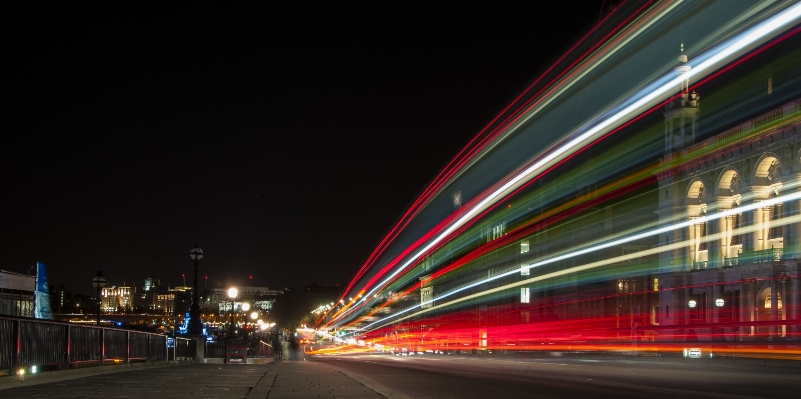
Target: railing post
{"type": "Point", "coordinates": [67, 352]}
{"type": "Point", "coordinates": [147, 335]}
{"type": "Point", "coordinates": [17, 347]}
{"type": "Point", "coordinates": [102, 345]}
{"type": "Point", "coordinates": [127, 347]}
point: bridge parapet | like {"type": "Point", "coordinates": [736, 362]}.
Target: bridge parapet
{"type": "Point", "coordinates": [26, 344]}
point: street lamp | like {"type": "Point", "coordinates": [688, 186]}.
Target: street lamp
{"type": "Point", "coordinates": [245, 307]}
{"type": "Point", "coordinates": [99, 282]}
{"type": "Point", "coordinates": [253, 317]}
{"type": "Point", "coordinates": [195, 326]}
{"type": "Point", "coordinates": [232, 293]}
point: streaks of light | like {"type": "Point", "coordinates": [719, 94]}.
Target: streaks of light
{"type": "Point", "coordinates": [616, 115]}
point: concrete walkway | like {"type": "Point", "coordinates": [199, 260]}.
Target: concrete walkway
{"type": "Point", "coordinates": [283, 379]}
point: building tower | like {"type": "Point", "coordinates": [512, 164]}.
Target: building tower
{"type": "Point", "coordinates": [681, 113]}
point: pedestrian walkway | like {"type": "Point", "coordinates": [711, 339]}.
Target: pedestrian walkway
{"type": "Point", "coordinates": [283, 379]}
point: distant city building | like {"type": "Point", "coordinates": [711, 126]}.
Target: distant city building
{"type": "Point", "coordinates": [17, 294]}
{"type": "Point", "coordinates": [59, 297]}
{"type": "Point", "coordinates": [117, 299]}
{"type": "Point", "coordinates": [217, 300]}
{"type": "Point", "coordinates": [152, 283]}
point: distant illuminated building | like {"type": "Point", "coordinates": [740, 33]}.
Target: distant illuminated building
{"type": "Point", "coordinates": [152, 283]}
{"type": "Point", "coordinates": [259, 297]}
{"type": "Point", "coordinates": [17, 294]}
{"type": "Point", "coordinates": [117, 299]}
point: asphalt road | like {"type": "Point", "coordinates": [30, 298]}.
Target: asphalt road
{"type": "Point", "coordinates": [463, 377]}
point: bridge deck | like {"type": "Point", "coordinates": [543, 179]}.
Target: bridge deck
{"type": "Point", "coordinates": [286, 379]}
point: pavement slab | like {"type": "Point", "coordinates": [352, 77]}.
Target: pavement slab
{"type": "Point", "coordinates": [284, 379]}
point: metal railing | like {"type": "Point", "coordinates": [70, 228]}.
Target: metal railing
{"type": "Point", "coordinates": [265, 350]}
{"type": "Point", "coordinates": [760, 256]}
{"type": "Point", "coordinates": [29, 342]}
{"type": "Point", "coordinates": [260, 350]}
{"type": "Point", "coordinates": [180, 348]}
{"type": "Point", "coordinates": [216, 349]}
{"type": "Point", "coordinates": [702, 265]}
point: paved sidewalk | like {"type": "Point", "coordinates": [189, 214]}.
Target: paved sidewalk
{"type": "Point", "coordinates": [284, 379]}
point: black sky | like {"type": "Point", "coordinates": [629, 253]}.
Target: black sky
{"type": "Point", "coordinates": [284, 138]}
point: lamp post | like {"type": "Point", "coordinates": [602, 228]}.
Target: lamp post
{"type": "Point", "coordinates": [195, 326]}
{"type": "Point", "coordinates": [245, 307]}
{"type": "Point", "coordinates": [232, 293]}
{"type": "Point", "coordinates": [99, 282]}
{"type": "Point", "coordinates": [254, 316]}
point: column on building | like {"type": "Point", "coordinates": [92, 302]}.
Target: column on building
{"type": "Point", "coordinates": [724, 201]}
{"type": "Point", "coordinates": [744, 294]}
{"type": "Point", "coordinates": [761, 223]}
{"type": "Point", "coordinates": [748, 234]}
{"type": "Point", "coordinates": [783, 286]}
{"type": "Point", "coordinates": [710, 306]}
{"type": "Point", "coordinates": [791, 230]}
{"type": "Point", "coordinates": [684, 304]}
{"type": "Point", "coordinates": [714, 256]}
{"type": "Point", "coordinates": [774, 307]}
{"type": "Point", "coordinates": [793, 305]}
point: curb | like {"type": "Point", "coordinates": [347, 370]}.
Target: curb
{"type": "Point", "coordinates": [52, 376]}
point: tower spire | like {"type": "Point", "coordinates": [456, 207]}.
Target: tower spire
{"type": "Point", "coordinates": [681, 112]}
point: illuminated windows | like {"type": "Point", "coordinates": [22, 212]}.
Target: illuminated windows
{"type": "Point", "coordinates": [495, 232]}
{"type": "Point", "coordinates": [524, 295]}
{"type": "Point", "coordinates": [525, 270]}
{"type": "Point", "coordinates": [426, 297]}
{"type": "Point", "coordinates": [523, 246]}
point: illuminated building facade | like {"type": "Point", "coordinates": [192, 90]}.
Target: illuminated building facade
{"type": "Point", "coordinates": [217, 299]}
{"type": "Point", "coordinates": [17, 294]}
{"type": "Point", "coordinates": [733, 277]}
{"type": "Point", "coordinates": [117, 299]}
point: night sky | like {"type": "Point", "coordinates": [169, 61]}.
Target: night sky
{"type": "Point", "coordinates": [284, 139]}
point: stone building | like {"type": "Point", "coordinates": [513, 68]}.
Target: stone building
{"type": "Point", "coordinates": [729, 271]}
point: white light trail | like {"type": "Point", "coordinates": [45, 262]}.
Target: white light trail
{"type": "Point", "coordinates": [646, 98]}
{"type": "Point", "coordinates": [687, 223]}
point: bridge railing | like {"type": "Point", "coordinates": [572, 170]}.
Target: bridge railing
{"type": "Point", "coordinates": [265, 350]}
{"type": "Point", "coordinates": [29, 342]}
{"type": "Point", "coordinates": [216, 349]}
{"type": "Point", "coordinates": [181, 348]}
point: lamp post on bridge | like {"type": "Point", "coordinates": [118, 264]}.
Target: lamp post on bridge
{"type": "Point", "coordinates": [245, 307]}
{"type": "Point", "coordinates": [232, 293]}
{"type": "Point", "coordinates": [99, 282]}
{"type": "Point", "coordinates": [195, 327]}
